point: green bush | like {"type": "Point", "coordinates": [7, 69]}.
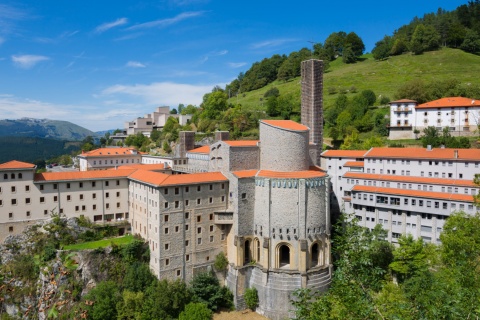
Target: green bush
{"type": "Point", "coordinates": [195, 311]}
{"type": "Point", "coordinates": [206, 289]}
{"type": "Point", "coordinates": [251, 298]}
{"type": "Point", "coordinates": [221, 262]}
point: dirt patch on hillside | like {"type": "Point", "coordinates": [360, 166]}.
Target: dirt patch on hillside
{"type": "Point", "coordinates": [238, 315]}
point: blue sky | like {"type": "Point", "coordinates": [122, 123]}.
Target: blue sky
{"type": "Point", "coordinates": [101, 63]}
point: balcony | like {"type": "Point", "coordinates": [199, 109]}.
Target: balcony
{"type": "Point", "coordinates": [399, 125]}
{"type": "Point", "coordinates": [223, 217]}
{"type": "Point", "coordinates": [399, 109]}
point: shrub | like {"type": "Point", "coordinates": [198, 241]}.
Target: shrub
{"type": "Point", "coordinates": [195, 311]}
{"type": "Point", "coordinates": [206, 289]}
{"type": "Point", "coordinates": [251, 298]}
{"type": "Point", "coordinates": [221, 262]}
{"type": "Point", "coordinates": [272, 92]}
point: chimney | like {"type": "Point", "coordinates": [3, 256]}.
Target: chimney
{"type": "Point", "coordinates": [221, 136]}
{"type": "Point", "coordinates": [455, 154]}
{"type": "Point", "coordinates": [429, 147]}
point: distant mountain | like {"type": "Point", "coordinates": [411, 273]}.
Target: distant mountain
{"type": "Point", "coordinates": [44, 128]}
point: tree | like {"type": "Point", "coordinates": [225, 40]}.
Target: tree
{"type": "Point", "coordinates": [409, 258]}
{"type": "Point", "coordinates": [430, 137]}
{"type": "Point", "coordinates": [130, 306]}
{"type": "Point", "coordinates": [214, 104]}
{"type": "Point", "coordinates": [173, 111]}
{"type": "Point", "coordinates": [370, 96]}
{"type": "Point", "coordinates": [382, 48]}
{"type": "Point", "coordinates": [165, 299]}
{"type": "Point", "coordinates": [251, 298]}
{"type": "Point", "coordinates": [104, 296]}
{"type": "Point", "coordinates": [272, 92]}
{"type": "Point", "coordinates": [190, 109]}
{"type": "Point", "coordinates": [334, 44]}
{"type": "Point", "coordinates": [196, 311]}
{"type": "Point", "coordinates": [348, 56]}
{"type": "Point", "coordinates": [206, 289]}
{"type": "Point", "coordinates": [355, 43]}
{"type": "Point", "coordinates": [471, 43]}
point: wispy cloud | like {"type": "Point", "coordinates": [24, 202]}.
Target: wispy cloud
{"type": "Point", "coordinates": [28, 61]}
{"type": "Point", "coordinates": [214, 54]}
{"type": "Point", "coordinates": [62, 36]}
{"type": "Point", "coordinates": [135, 64]}
{"type": "Point", "coordinates": [271, 43]}
{"type": "Point", "coordinates": [188, 2]}
{"type": "Point", "coordinates": [168, 93]}
{"type": "Point", "coordinates": [166, 22]}
{"type": "Point", "coordinates": [8, 17]}
{"type": "Point", "coordinates": [236, 64]}
{"type": "Point", "coordinates": [109, 25]}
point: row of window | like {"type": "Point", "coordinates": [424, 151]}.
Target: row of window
{"type": "Point", "coordinates": [116, 161]}
{"type": "Point", "coordinates": [12, 176]}
{"type": "Point", "coordinates": [55, 198]}
{"type": "Point", "coordinates": [395, 201]}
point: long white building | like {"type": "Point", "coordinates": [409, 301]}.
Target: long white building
{"type": "Point", "coordinates": [407, 190]}
{"type": "Point", "coordinates": [460, 115]}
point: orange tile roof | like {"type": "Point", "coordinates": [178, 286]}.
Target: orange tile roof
{"type": "Point", "coordinates": [412, 179]}
{"type": "Point", "coordinates": [415, 193]}
{"type": "Point", "coordinates": [344, 153]}
{"type": "Point", "coordinates": [204, 149]}
{"type": "Point", "coordinates": [403, 101]}
{"type": "Point", "coordinates": [292, 174]}
{"type": "Point", "coordinates": [354, 164]}
{"type": "Point", "coordinates": [161, 179]}
{"type": "Point", "coordinates": [423, 153]}
{"type": "Point", "coordinates": [82, 175]}
{"type": "Point", "coordinates": [143, 166]}
{"type": "Point", "coordinates": [14, 164]}
{"type": "Point", "coordinates": [241, 143]}
{"type": "Point", "coordinates": [245, 173]}
{"type": "Point", "coordinates": [450, 102]}
{"type": "Point", "coordinates": [102, 152]}
{"type": "Point", "coordinates": [286, 124]}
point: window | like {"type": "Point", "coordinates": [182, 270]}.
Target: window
{"type": "Point", "coordinates": [420, 203]}
{"type": "Point", "coordinates": [199, 230]}
{"type": "Point", "coordinates": [199, 218]}
{"type": "Point", "coordinates": [42, 199]}
{"type": "Point", "coordinates": [167, 262]}
{"type": "Point", "coordinates": [244, 195]}
{"type": "Point", "coordinates": [187, 215]}
{"type": "Point", "coordinates": [211, 216]}
{"type": "Point", "coordinates": [198, 201]}
{"type": "Point", "coordinates": [166, 205]}
{"type": "Point", "coordinates": [107, 195]}
{"type": "Point", "coordinates": [199, 188]}
{"type": "Point", "coordinates": [10, 215]}
{"type": "Point", "coordinates": [167, 246]}
{"type": "Point", "coordinates": [187, 189]}
{"type": "Point", "coordinates": [80, 184]}
{"type": "Point", "coordinates": [55, 198]}
{"type": "Point", "coordinates": [166, 230]}
{"type": "Point", "coordinates": [186, 243]}
{"type": "Point", "coordinates": [187, 257]}
{"type": "Point", "coordinates": [210, 200]}
{"type": "Point", "coordinates": [211, 187]}
{"type": "Point", "coordinates": [81, 197]}
{"type": "Point", "coordinates": [177, 204]}
{"type": "Point", "coordinates": [165, 191]}
{"type": "Point", "coordinates": [14, 189]}
{"type": "Point", "coordinates": [118, 182]}
{"type": "Point", "coordinates": [177, 190]}
{"type": "Point", "coordinates": [165, 218]}
{"type": "Point", "coordinates": [211, 238]}
{"type": "Point", "coordinates": [199, 240]}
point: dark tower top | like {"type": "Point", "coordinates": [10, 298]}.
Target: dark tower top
{"type": "Point", "coordinates": [312, 103]}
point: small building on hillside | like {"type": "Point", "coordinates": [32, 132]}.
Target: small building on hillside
{"type": "Point", "coordinates": [154, 120]}
{"type": "Point", "coordinates": [107, 158]}
{"type": "Point", "coordinates": [460, 115]}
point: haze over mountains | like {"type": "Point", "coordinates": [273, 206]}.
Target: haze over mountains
{"type": "Point", "coordinates": [44, 128]}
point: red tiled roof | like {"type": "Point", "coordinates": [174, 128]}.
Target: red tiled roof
{"type": "Point", "coordinates": [415, 193]}
{"type": "Point", "coordinates": [204, 149]}
{"type": "Point", "coordinates": [423, 153]}
{"type": "Point", "coordinates": [411, 179]}
{"type": "Point", "coordinates": [241, 143]}
{"type": "Point", "coordinates": [286, 124]}
{"type": "Point", "coordinates": [354, 164]}
{"type": "Point", "coordinates": [161, 179]}
{"type": "Point", "coordinates": [245, 173]}
{"type": "Point", "coordinates": [451, 102]}
{"type": "Point", "coordinates": [14, 164]}
{"type": "Point", "coordinates": [102, 152]}
{"type": "Point", "coordinates": [292, 174]}
{"type": "Point", "coordinates": [83, 175]}
{"type": "Point", "coordinates": [344, 153]}
{"type": "Point", "coordinates": [403, 101]}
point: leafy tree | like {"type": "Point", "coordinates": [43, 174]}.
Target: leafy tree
{"type": "Point", "coordinates": [180, 108]}
{"type": "Point", "coordinates": [137, 277]}
{"type": "Point", "coordinates": [355, 43]}
{"type": "Point", "coordinates": [399, 46]}
{"type": "Point", "coordinates": [409, 258]}
{"type": "Point", "coordinates": [196, 311]}
{"type": "Point", "coordinates": [136, 140]}
{"type": "Point", "coordinates": [382, 48]}
{"type": "Point", "coordinates": [348, 55]}
{"type": "Point", "coordinates": [190, 109]}
{"type": "Point", "coordinates": [173, 111]}
{"type": "Point", "coordinates": [430, 137]}
{"type": "Point", "coordinates": [213, 104]}
{"type": "Point", "coordinates": [334, 44]}
{"type": "Point", "coordinates": [104, 297]}
{"type": "Point", "coordinates": [370, 96]}
{"type": "Point", "coordinates": [206, 289]}
{"type": "Point", "coordinates": [221, 262]}
{"type": "Point", "coordinates": [130, 306]}
{"type": "Point", "coordinates": [272, 106]}
{"type": "Point", "coordinates": [272, 92]}
{"type": "Point", "coordinates": [471, 43]}
{"type": "Point", "coordinates": [165, 299]}
{"type": "Point", "coordinates": [155, 135]}
{"type": "Point", "coordinates": [414, 90]}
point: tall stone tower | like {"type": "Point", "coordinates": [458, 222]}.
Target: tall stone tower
{"type": "Point", "coordinates": [312, 105]}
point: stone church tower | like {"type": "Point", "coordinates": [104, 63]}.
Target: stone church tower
{"type": "Point", "coordinates": [312, 105]}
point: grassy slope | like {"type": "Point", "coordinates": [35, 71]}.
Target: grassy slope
{"type": "Point", "coordinates": [100, 243]}
{"type": "Point", "coordinates": [383, 77]}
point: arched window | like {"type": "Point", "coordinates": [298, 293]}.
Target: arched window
{"type": "Point", "coordinates": [12, 175]}
{"type": "Point", "coordinates": [5, 176]}
{"type": "Point", "coordinates": [19, 176]}
{"type": "Point", "coordinates": [247, 254]}
{"type": "Point", "coordinates": [284, 256]}
{"type": "Point", "coordinates": [256, 248]}
{"type": "Point", "coordinates": [315, 254]}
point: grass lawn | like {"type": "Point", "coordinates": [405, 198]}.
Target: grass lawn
{"type": "Point", "coordinates": [100, 243]}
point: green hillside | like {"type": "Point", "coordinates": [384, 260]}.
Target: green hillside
{"type": "Point", "coordinates": [383, 77]}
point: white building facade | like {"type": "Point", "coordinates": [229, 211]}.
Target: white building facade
{"type": "Point", "coordinates": [460, 115]}
{"type": "Point", "coordinates": [406, 190]}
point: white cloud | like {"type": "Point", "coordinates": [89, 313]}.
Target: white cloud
{"type": "Point", "coordinates": [236, 64]}
{"type": "Point", "coordinates": [271, 43]}
{"type": "Point", "coordinates": [27, 61]}
{"type": "Point", "coordinates": [109, 25]}
{"type": "Point", "coordinates": [135, 64]}
{"type": "Point", "coordinates": [162, 93]}
{"type": "Point", "coordinates": [166, 22]}
{"type": "Point", "coordinates": [214, 54]}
